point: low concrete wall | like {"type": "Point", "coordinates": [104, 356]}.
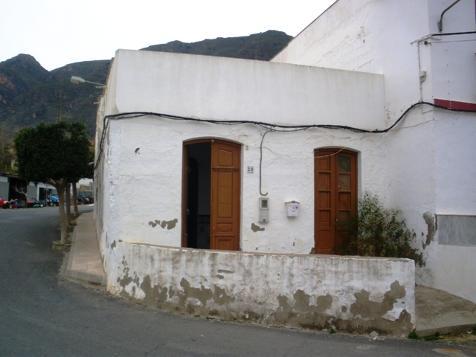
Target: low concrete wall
{"type": "Point", "coordinates": [357, 294]}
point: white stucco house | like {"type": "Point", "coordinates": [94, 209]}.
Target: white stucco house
{"type": "Point", "coordinates": [199, 155]}
{"type": "Point", "coordinates": [429, 54]}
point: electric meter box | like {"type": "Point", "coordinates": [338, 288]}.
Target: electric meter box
{"type": "Point", "coordinates": [263, 209]}
{"type": "Point", "coordinates": [292, 208]}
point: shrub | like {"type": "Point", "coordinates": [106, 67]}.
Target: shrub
{"type": "Point", "coordinates": [382, 232]}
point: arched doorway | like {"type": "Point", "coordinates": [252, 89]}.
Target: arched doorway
{"type": "Point", "coordinates": [211, 194]}
{"type": "Point", "coordinates": [335, 198]}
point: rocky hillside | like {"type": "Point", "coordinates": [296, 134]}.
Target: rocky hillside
{"type": "Point", "coordinates": [29, 94]}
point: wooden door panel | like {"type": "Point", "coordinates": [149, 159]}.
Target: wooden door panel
{"type": "Point", "coordinates": [224, 243]}
{"type": "Point", "coordinates": [326, 243]}
{"type": "Point", "coordinates": [224, 227]}
{"type": "Point", "coordinates": [324, 198]}
{"type": "Point", "coordinates": [335, 195]}
{"type": "Point", "coordinates": [324, 219]}
{"type": "Point", "coordinates": [225, 192]}
{"type": "Point", "coordinates": [324, 163]}
{"type": "Point", "coordinates": [346, 188]}
{"type": "Point", "coordinates": [344, 182]}
{"type": "Point", "coordinates": [224, 157]}
{"type": "Point", "coordinates": [224, 182]}
{"type": "Point", "coordinates": [344, 201]}
{"type": "Point", "coordinates": [324, 180]}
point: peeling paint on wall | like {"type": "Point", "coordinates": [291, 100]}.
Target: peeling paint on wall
{"type": "Point", "coordinates": [367, 308]}
{"type": "Point", "coordinates": [255, 228]}
{"type": "Point", "coordinates": [164, 224]}
{"type": "Point", "coordinates": [225, 271]}
{"type": "Point", "coordinates": [353, 294]}
{"type": "Point", "coordinates": [431, 224]}
{"type": "Point", "coordinates": [302, 312]}
{"type": "Point", "coordinates": [125, 279]}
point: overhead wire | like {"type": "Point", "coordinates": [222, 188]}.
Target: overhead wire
{"type": "Point", "coordinates": [270, 127]}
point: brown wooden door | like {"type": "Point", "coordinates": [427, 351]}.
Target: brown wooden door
{"type": "Point", "coordinates": [225, 195]}
{"type": "Point", "coordinates": [335, 198]}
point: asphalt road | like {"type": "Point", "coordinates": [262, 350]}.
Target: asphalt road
{"type": "Point", "coordinates": [41, 315]}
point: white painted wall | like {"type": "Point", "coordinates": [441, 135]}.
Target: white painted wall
{"type": "Point", "coordinates": [421, 166]}
{"type": "Point", "coordinates": [147, 186]}
{"type": "Point", "coordinates": [210, 87]}
{"type": "Point", "coordinates": [367, 35]}
{"type": "Point", "coordinates": [452, 267]}
{"type": "Point", "coordinates": [455, 169]}
{"type": "Point", "coordinates": [313, 291]}
{"type": "Point", "coordinates": [136, 188]}
{"type": "Point", "coordinates": [427, 156]}
{"type": "Point", "coordinates": [453, 58]}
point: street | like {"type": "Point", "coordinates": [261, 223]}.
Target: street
{"type": "Point", "coordinates": [42, 315]}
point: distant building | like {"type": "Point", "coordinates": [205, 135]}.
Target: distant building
{"type": "Point", "coordinates": [15, 188]}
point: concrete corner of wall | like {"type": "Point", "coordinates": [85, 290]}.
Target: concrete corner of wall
{"type": "Point", "coordinates": [353, 294]}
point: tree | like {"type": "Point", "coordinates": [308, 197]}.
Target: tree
{"type": "Point", "coordinates": [7, 152]}
{"type": "Point", "coordinates": [80, 155]}
{"type": "Point", "coordinates": [54, 153]}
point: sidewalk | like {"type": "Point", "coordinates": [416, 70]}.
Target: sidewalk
{"type": "Point", "coordinates": [83, 262]}
{"type": "Point", "coordinates": [440, 312]}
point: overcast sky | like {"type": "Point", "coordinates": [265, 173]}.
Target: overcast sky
{"type": "Point", "coordinates": [57, 32]}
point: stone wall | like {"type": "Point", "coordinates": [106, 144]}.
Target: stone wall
{"type": "Point", "coordinates": [355, 294]}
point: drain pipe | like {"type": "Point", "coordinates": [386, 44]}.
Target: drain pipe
{"type": "Point", "coordinates": [440, 23]}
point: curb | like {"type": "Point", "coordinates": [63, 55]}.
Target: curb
{"type": "Point", "coordinates": [66, 272]}
{"type": "Point", "coordinates": [445, 330]}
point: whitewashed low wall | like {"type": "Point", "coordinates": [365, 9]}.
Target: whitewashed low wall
{"type": "Point", "coordinates": [357, 294]}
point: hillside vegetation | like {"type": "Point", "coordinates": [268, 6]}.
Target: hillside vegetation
{"type": "Point", "coordinates": [29, 94]}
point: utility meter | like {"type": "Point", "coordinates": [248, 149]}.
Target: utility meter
{"type": "Point", "coordinates": [263, 209]}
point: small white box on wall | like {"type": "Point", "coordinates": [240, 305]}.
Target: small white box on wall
{"type": "Point", "coordinates": [263, 209]}
{"type": "Point", "coordinates": [292, 208]}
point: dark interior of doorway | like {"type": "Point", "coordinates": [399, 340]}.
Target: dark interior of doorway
{"type": "Point", "coordinates": [198, 195]}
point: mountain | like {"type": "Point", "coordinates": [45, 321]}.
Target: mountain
{"type": "Point", "coordinates": [260, 46]}
{"type": "Point", "coordinates": [29, 94]}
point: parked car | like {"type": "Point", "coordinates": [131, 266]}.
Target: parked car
{"type": "Point", "coordinates": [3, 203]}
{"type": "Point", "coordinates": [45, 202]}
{"type": "Point", "coordinates": [34, 203]}
{"type": "Point", "coordinates": [54, 199]}
{"type": "Point", "coordinates": [85, 198]}
{"type": "Point", "coordinates": [11, 204]}
{"type": "Point", "coordinates": [21, 203]}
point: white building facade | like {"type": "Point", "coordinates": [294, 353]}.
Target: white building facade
{"type": "Point", "coordinates": [211, 153]}
{"type": "Point", "coordinates": [150, 149]}
{"type": "Point", "coordinates": [430, 165]}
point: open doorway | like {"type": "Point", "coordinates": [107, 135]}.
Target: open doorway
{"type": "Point", "coordinates": [198, 179]}
{"type": "Point", "coordinates": [211, 194]}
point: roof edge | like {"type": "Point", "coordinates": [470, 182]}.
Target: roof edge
{"type": "Point", "coordinates": [304, 29]}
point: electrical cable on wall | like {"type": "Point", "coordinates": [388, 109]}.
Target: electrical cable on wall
{"type": "Point", "coordinates": [268, 126]}
{"type": "Point", "coordinates": [261, 162]}
{"type": "Point", "coordinates": [440, 22]}
{"type": "Point", "coordinates": [261, 155]}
